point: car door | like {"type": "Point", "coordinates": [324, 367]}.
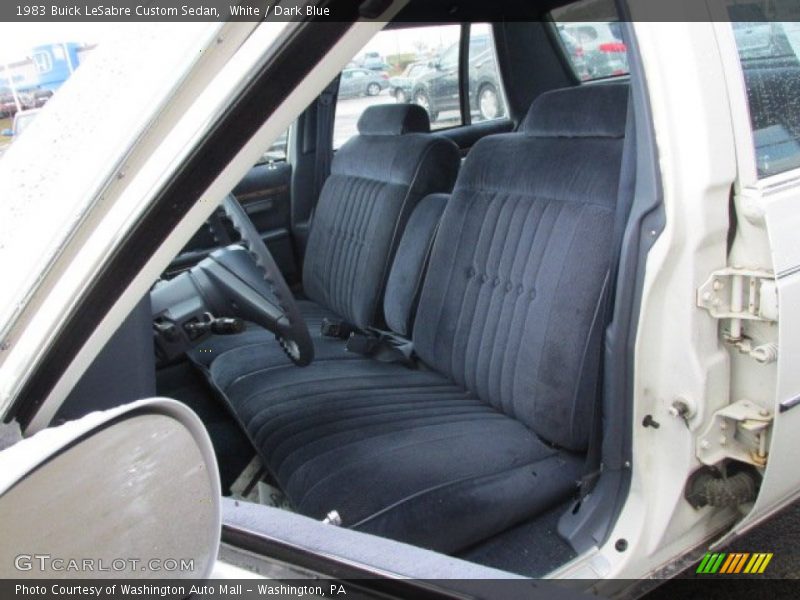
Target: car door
{"type": "Point", "coordinates": [346, 84]}
{"type": "Point", "coordinates": [768, 199]}
{"type": "Point", "coordinates": [266, 197]}
{"type": "Point", "coordinates": [359, 82]}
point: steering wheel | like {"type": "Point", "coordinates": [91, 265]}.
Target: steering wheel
{"type": "Point", "coordinates": [251, 281]}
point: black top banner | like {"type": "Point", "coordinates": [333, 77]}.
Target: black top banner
{"type": "Point", "coordinates": [428, 11]}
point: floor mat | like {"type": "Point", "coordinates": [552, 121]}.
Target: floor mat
{"type": "Point", "coordinates": [233, 450]}
{"type": "Point", "coordinates": [532, 549]}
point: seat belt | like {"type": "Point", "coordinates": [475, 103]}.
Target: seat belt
{"type": "Point", "coordinates": [383, 346]}
{"type": "Point", "coordinates": [605, 307]}
{"type": "Point", "coordinates": [336, 328]}
{"type": "Point", "coordinates": [323, 148]}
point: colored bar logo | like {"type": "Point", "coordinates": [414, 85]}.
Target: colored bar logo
{"type": "Point", "coordinates": [718, 563]}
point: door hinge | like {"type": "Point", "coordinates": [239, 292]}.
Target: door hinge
{"type": "Point", "coordinates": [739, 295]}
{"type": "Point", "coordinates": [739, 431]}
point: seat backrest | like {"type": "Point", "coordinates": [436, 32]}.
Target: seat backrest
{"type": "Point", "coordinates": [376, 180]}
{"type": "Point", "coordinates": [518, 265]}
{"type": "Point", "coordinates": [410, 263]}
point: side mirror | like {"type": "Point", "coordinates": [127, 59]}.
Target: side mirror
{"type": "Point", "coordinates": [130, 492]}
{"type": "Point", "coordinates": [7, 132]}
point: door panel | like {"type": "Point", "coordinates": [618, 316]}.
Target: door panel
{"type": "Point", "coordinates": [265, 195]}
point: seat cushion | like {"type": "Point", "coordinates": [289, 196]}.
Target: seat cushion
{"type": "Point", "coordinates": [396, 452]}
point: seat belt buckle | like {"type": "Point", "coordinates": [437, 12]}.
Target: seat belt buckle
{"type": "Point", "coordinates": [362, 344]}
{"type": "Point", "coordinates": [335, 329]}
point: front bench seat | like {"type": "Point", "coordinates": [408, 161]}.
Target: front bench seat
{"type": "Point", "coordinates": [377, 178]}
{"type": "Point", "coordinates": [493, 430]}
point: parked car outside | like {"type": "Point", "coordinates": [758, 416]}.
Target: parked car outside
{"type": "Point", "coordinates": [402, 86]}
{"type": "Point", "coordinates": [437, 90]}
{"type": "Point", "coordinates": [362, 82]}
{"type": "Point", "coordinates": [40, 97]}
{"type": "Point", "coordinates": [604, 54]}
{"type": "Point", "coordinates": [8, 107]}
{"type": "Point", "coordinates": [21, 121]}
{"type": "Point", "coordinates": [373, 62]}
{"type": "Point", "coordinates": [575, 53]}
{"type": "Point", "coordinates": [27, 100]}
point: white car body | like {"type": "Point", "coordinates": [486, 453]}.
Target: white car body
{"type": "Point", "coordinates": [705, 143]}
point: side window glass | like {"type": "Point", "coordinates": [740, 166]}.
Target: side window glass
{"type": "Point", "coordinates": [486, 96]}
{"type": "Point", "coordinates": [770, 56]}
{"type": "Point", "coordinates": [402, 65]}
{"type": "Point", "coordinates": [594, 49]}
{"type": "Point", "coordinates": [449, 59]}
{"type": "Point", "coordinates": [277, 152]}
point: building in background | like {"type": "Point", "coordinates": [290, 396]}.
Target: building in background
{"type": "Point", "coordinates": [30, 81]}
{"type": "Point", "coordinates": [54, 63]}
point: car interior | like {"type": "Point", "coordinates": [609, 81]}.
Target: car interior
{"type": "Point", "coordinates": [404, 335]}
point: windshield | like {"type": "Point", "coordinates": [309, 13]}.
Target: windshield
{"type": "Point", "coordinates": [76, 141]}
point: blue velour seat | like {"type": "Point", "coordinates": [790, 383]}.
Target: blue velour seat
{"type": "Point", "coordinates": [492, 428]}
{"type": "Point", "coordinates": [377, 179]}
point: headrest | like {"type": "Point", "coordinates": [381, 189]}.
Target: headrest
{"type": "Point", "coordinates": [394, 119]}
{"type": "Point", "coordinates": [597, 110]}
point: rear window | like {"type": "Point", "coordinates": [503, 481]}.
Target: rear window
{"type": "Point", "coordinates": [591, 38]}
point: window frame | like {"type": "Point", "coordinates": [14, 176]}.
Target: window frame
{"type": "Point", "coordinates": [463, 76]}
